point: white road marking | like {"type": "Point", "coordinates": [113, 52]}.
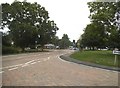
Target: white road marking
{"type": "Point", "coordinates": [25, 65]}
{"type": "Point", "coordinates": [48, 58]}
{"type": "Point", "coordinates": [17, 65]}
{"type": "Point", "coordinates": [34, 63]}
{"type": "Point", "coordinates": [13, 68]}
{"type": "Point", "coordinates": [39, 61]}
{"type": "Point", "coordinates": [1, 71]}
{"type": "Point", "coordinates": [29, 61]}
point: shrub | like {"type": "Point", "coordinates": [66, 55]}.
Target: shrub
{"type": "Point", "coordinates": [10, 50]}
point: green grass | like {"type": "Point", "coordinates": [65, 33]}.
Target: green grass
{"type": "Point", "coordinates": [99, 57]}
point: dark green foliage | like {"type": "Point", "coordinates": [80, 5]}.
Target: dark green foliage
{"type": "Point", "coordinates": [29, 24]}
{"type": "Point", "coordinates": [55, 40]}
{"type": "Point", "coordinates": [10, 50]}
{"type": "Point", "coordinates": [6, 40]}
{"type": "Point", "coordinates": [64, 42]}
{"type": "Point", "coordinates": [94, 36]}
{"type": "Point", "coordinates": [102, 32]}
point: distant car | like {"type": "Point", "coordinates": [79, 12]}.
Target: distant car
{"type": "Point", "coordinates": [104, 49]}
{"type": "Point", "coordinates": [71, 47]}
{"type": "Point", "coordinates": [57, 47]}
{"type": "Point", "coordinates": [28, 48]}
{"type": "Point", "coordinates": [76, 49]}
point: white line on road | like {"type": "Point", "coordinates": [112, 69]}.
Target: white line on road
{"type": "Point", "coordinates": [48, 58]}
{"type": "Point", "coordinates": [34, 63]}
{"type": "Point", "coordinates": [29, 61]}
{"type": "Point", "coordinates": [25, 65]}
{"type": "Point", "coordinates": [13, 68]}
{"type": "Point", "coordinates": [39, 61]}
{"type": "Point", "coordinates": [1, 71]}
{"type": "Point", "coordinates": [17, 65]}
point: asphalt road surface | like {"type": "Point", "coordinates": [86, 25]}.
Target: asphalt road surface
{"type": "Point", "coordinates": [47, 69]}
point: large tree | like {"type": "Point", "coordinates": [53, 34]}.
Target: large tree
{"type": "Point", "coordinates": [103, 13]}
{"type": "Point", "coordinates": [29, 23]}
{"type": "Point", "coordinates": [94, 36]}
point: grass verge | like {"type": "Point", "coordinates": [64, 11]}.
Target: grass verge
{"type": "Point", "coordinates": [98, 57]}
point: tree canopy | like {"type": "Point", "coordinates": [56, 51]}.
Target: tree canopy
{"type": "Point", "coordinates": [103, 30]}
{"type": "Point", "coordinates": [28, 23]}
{"type": "Point", "coordinates": [64, 42]}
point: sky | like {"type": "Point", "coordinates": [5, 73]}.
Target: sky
{"type": "Point", "coordinates": [71, 16]}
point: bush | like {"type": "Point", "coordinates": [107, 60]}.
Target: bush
{"type": "Point", "coordinates": [10, 50]}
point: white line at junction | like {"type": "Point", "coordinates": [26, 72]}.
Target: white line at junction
{"type": "Point", "coordinates": [33, 63]}
{"type": "Point", "coordinates": [29, 61]}
{"type": "Point", "coordinates": [13, 68]}
{"type": "Point", "coordinates": [1, 71]}
{"type": "Point", "coordinates": [25, 65]}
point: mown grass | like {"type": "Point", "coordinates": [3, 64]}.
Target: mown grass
{"type": "Point", "coordinates": [98, 57]}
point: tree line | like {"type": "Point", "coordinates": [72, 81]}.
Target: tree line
{"type": "Point", "coordinates": [104, 29]}
{"type": "Point", "coordinates": [28, 25]}
{"type": "Point", "coordinates": [63, 43]}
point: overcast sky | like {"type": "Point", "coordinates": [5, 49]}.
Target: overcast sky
{"type": "Point", "coordinates": [71, 16]}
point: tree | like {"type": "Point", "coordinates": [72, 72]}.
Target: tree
{"type": "Point", "coordinates": [103, 14]}
{"type": "Point", "coordinates": [46, 32]}
{"type": "Point", "coordinates": [55, 40]}
{"type": "Point", "coordinates": [29, 24]}
{"type": "Point", "coordinates": [94, 36]}
{"type": "Point", "coordinates": [6, 40]}
{"type": "Point", "coordinates": [64, 42]}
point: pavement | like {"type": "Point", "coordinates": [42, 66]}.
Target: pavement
{"type": "Point", "coordinates": [48, 69]}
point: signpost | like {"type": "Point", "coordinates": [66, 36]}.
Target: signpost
{"type": "Point", "coordinates": [116, 53]}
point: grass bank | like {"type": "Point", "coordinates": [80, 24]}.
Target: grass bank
{"type": "Point", "coordinates": [98, 57]}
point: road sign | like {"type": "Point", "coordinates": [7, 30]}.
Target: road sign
{"type": "Point", "coordinates": [116, 52]}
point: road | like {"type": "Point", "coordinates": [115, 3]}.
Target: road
{"type": "Point", "coordinates": [47, 69]}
